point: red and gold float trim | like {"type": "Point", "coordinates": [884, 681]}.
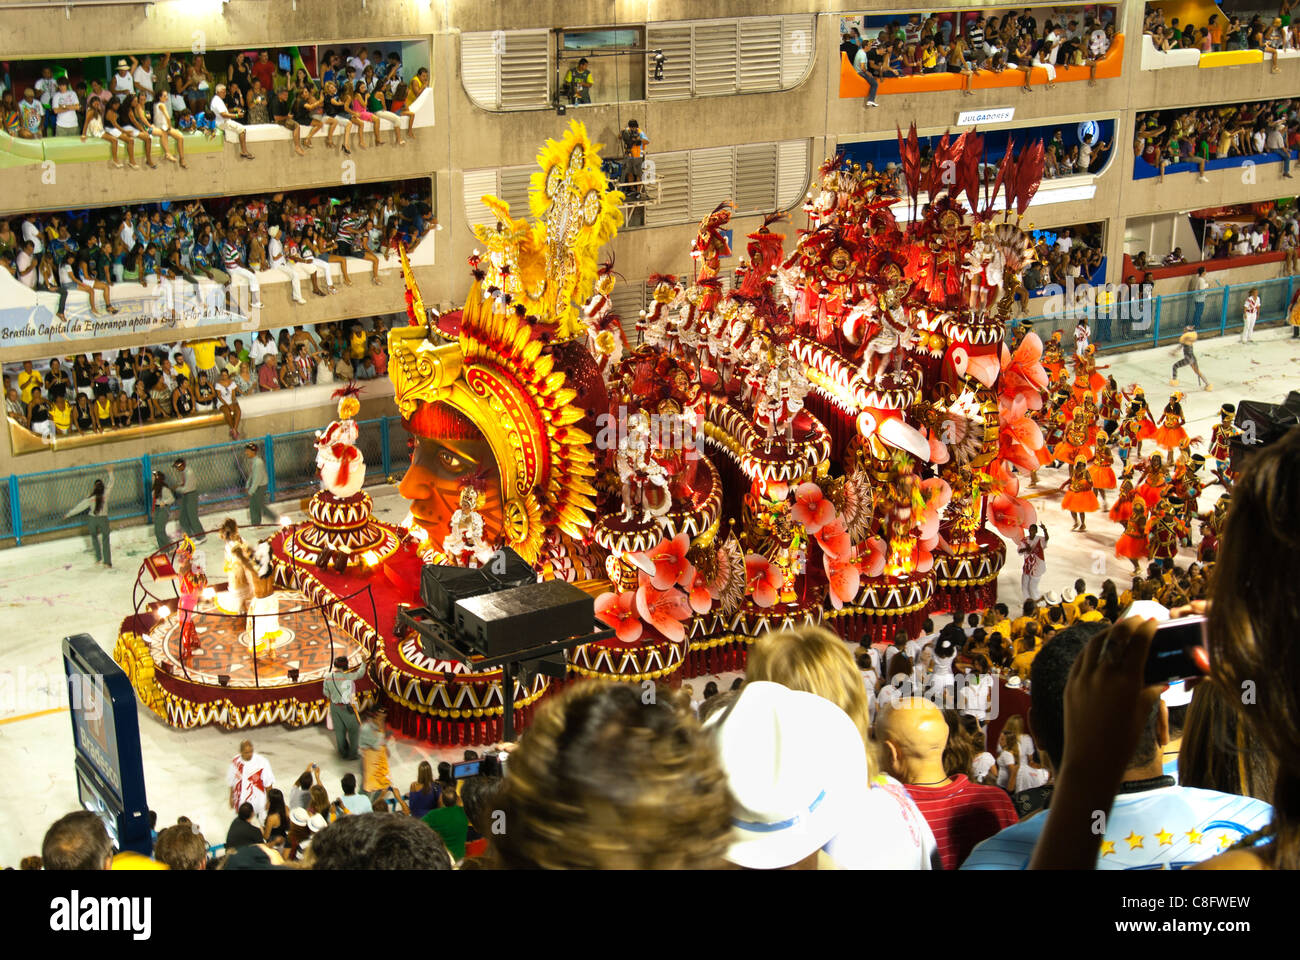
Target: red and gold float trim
{"type": "Point", "coordinates": [731, 430]}
{"type": "Point", "coordinates": [186, 705]}
{"type": "Point", "coordinates": [838, 380]}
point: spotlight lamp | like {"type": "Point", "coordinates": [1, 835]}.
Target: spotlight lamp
{"type": "Point", "coordinates": [659, 60]}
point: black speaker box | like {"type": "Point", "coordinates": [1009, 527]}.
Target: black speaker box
{"type": "Point", "coordinates": [441, 587]}
{"type": "Point", "coordinates": [509, 620]}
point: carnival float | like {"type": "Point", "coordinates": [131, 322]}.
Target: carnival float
{"type": "Point", "coordinates": [833, 431]}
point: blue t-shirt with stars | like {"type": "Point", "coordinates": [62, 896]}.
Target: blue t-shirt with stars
{"type": "Point", "coordinates": [1167, 828]}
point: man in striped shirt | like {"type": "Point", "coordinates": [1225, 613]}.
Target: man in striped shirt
{"type": "Point", "coordinates": [961, 814]}
{"type": "Point", "coordinates": [232, 255]}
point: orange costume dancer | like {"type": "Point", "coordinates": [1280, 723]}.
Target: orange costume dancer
{"type": "Point", "coordinates": [1164, 531]}
{"type": "Point", "coordinates": [1075, 443]}
{"type": "Point", "coordinates": [1079, 498]}
{"type": "Point", "coordinates": [1053, 357]}
{"type": "Point", "coordinates": [1102, 469]}
{"type": "Point", "coordinates": [1222, 435]}
{"type": "Point", "coordinates": [1132, 545]}
{"type": "Point", "coordinates": [1111, 406]}
{"type": "Point", "coordinates": [1124, 505]}
{"type": "Point", "coordinates": [1171, 434]}
{"type": "Point", "coordinates": [1087, 412]}
{"type": "Point", "coordinates": [1154, 482]}
{"type": "Point", "coordinates": [1140, 410]}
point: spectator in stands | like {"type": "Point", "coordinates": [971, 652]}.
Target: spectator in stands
{"type": "Point", "coordinates": [381, 841]}
{"type": "Point", "coordinates": [243, 830]}
{"type": "Point", "coordinates": [603, 779]}
{"type": "Point", "coordinates": [228, 119]}
{"type": "Point", "coordinates": [77, 841]}
{"type": "Point", "coordinates": [1146, 798]}
{"type": "Point", "coordinates": [181, 847]}
{"type": "Point", "coordinates": [960, 813]}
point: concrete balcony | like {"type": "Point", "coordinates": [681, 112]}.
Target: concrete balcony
{"type": "Point", "coordinates": [1189, 78]}
{"type": "Point", "coordinates": [65, 173]}
{"type": "Point", "coordinates": [31, 331]}
{"type": "Point", "coordinates": [1261, 181]}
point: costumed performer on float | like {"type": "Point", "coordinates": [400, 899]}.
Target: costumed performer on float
{"type": "Point", "coordinates": [190, 582]}
{"type": "Point", "coordinates": [239, 562]}
{"type": "Point", "coordinates": [464, 545]}
{"type": "Point", "coordinates": [264, 608]}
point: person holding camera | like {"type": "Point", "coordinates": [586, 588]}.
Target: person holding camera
{"type": "Point", "coordinates": [634, 151]}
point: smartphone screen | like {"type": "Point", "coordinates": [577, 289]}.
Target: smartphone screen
{"type": "Point", "coordinates": [1170, 658]}
{"type": "Point", "coordinates": [470, 768]}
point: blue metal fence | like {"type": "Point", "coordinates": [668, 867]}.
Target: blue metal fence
{"type": "Point", "coordinates": [1150, 322]}
{"type": "Point", "coordinates": [36, 503]}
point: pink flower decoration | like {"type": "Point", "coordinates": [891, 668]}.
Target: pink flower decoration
{"type": "Point", "coordinates": [702, 595]}
{"type": "Point", "coordinates": [666, 562]}
{"type": "Point", "coordinates": [1011, 514]}
{"type": "Point", "coordinates": [763, 578]}
{"type": "Point", "coordinates": [811, 508]}
{"type": "Point", "coordinates": [844, 578]}
{"type": "Point", "coordinates": [834, 540]}
{"type": "Point", "coordinates": [1023, 375]}
{"type": "Point", "coordinates": [872, 560]}
{"type": "Point", "coordinates": [1018, 436]}
{"type": "Point", "coordinates": [617, 610]}
{"type": "Point", "coordinates": [664, 610]}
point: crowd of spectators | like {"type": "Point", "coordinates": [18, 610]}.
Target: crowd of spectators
{"type": "Point", "coordinates": [167, 96]}
{"type": "Point", "coordinates": [1259, 128]}
{"type": "Point", "coordinates": [85, 394]}
{"type": "Point", "coordinates": [1069, 253]}
{"type": "Point", "coordinates": [1221, 32]}
{"type": "Point", "coordinates": [164, 246]}
{"type": "Point", "coordinates": [1000, 40]}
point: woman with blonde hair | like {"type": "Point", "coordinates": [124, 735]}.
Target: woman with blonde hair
{"type": "Point", "coordinates": [814, 660]}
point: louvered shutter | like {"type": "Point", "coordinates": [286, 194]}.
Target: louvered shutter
{"type": "Point", "coordinates": [675, 43]}
{"type": "Point", "coordinates": [478, 69]}
{"type": "Point", "coordinates": [712, 179]}
{"type": "Point", "coordinates": [714, 59]}
{"type": "Point", "coordinates": [628, 300]}
{"type": "Point", "coordinates": [525, 69]}
{"type": "Point", "coordinates": [672, 171]}
{"type": "Point", "coordinates": [756, 177]}
{"type": "Point", "coordinates": [513, 189]}
{"type": "Point", "coordinates": [760, 54]}
{"type": "Point", "coordinates": [793, 172]}
{"type": "Point", "coordinates": [798, 46]}
{"type": "Point", "coordinates": [476, 184]}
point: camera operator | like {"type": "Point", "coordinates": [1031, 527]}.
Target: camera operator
{"type": "Point", "coordinates": [634, 151]}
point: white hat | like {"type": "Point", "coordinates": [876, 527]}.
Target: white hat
{"type": "Point", "coordinates": [274, 231]}
{"type": "Point", "coordinates": [797, 770]}
{"type": "Point", "coordinates": [317, 823]}
{"type": "Point", "coordinates": [1069, 595]}
{"type": "Point", "coordinates": [1014, 682]}
{"type": "Point", "coordinates": [299, 817]}
{"type": "Point", "coordinates": [1051, 598]}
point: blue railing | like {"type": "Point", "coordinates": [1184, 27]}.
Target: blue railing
{"type": "Point", "coordinates": [32, 504]}
{"type": "Point", "coordinates": [1161, 319]}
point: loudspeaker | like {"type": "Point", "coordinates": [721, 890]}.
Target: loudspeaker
{"type": "Point", "coordinates": [441, 587]}
{"type": "Point", "coordinates": [1263, 423]}
{"type": "Point", "coordinates": [509, 620]}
